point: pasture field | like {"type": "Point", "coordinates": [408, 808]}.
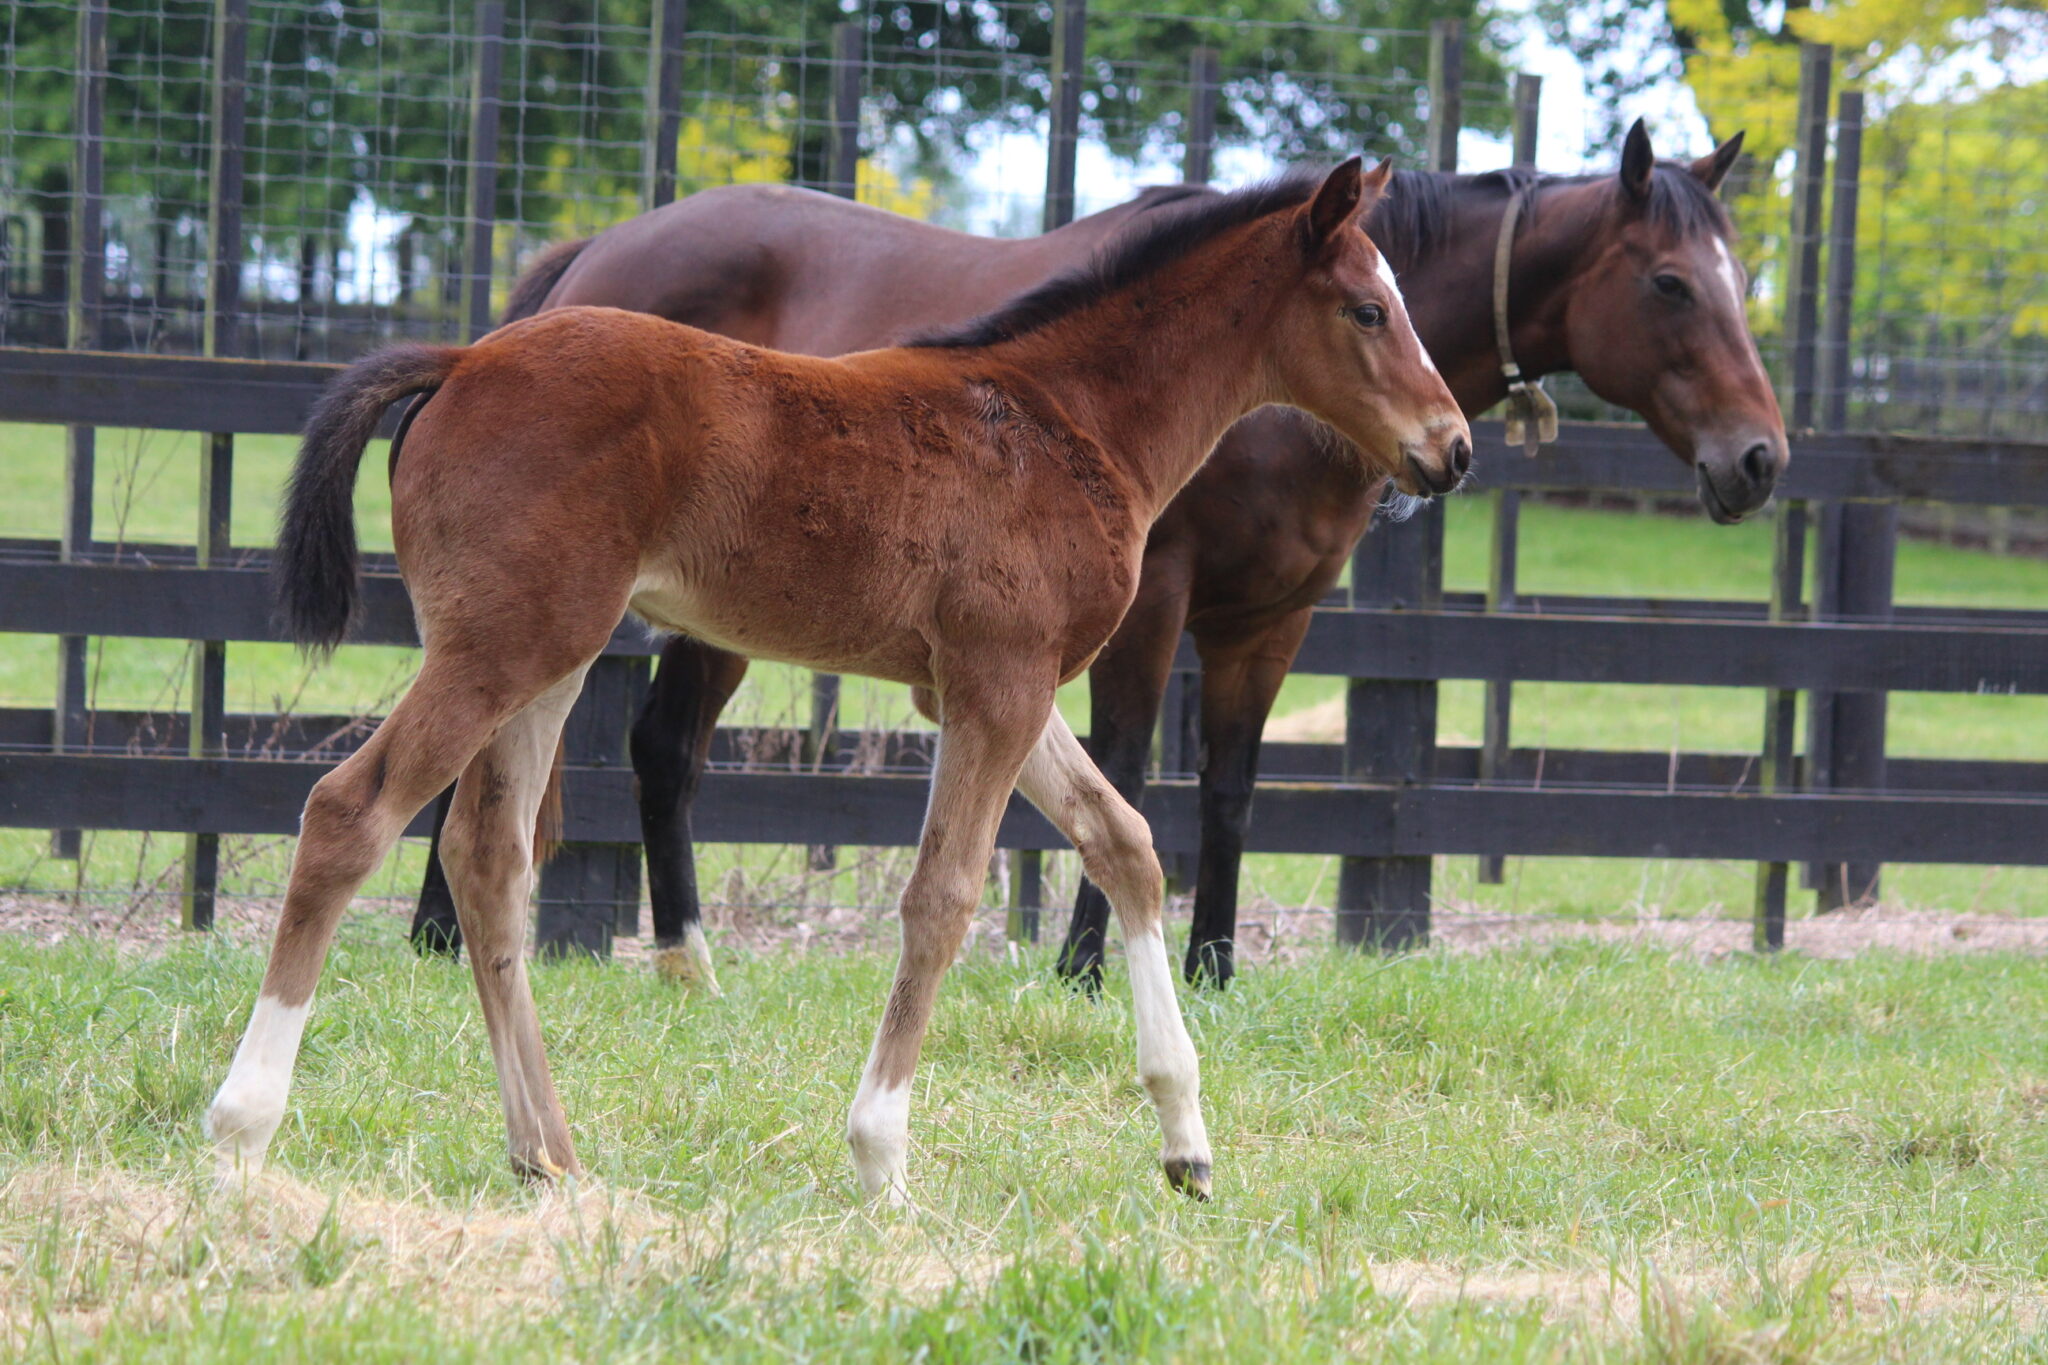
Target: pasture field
{"type": "Point", "coordinates": [148, 484]}
{"type": "Point", "coordinates": [1566, 1154]}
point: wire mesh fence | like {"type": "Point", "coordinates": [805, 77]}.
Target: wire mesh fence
{"type": "Point", "coordinates": [360, 153]}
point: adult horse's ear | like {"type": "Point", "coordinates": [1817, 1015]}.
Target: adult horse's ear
{"type": "Point", "coordinates": [1637, 162]}
{"type": "Point", "coordinates": [1711, 169]}
{"type": "Point", "coordinates": [1337, 202]}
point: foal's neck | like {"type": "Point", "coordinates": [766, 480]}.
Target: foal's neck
{"type": "Point", "coordinates": [1157, 372]}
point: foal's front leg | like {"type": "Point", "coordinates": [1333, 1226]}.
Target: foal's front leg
{"type": "Point", "coordinates": [1115, 845]}
{"type": "Point", "coordinates": [984, 734]}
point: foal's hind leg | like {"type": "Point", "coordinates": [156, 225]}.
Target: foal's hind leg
{"type": "Point", "coordinates": [488, 848]}
{"type": "Point", "coordinates": [1116, 848]}
{"type": "Point", "coordinates": [984, 734]}
{"type": "Point", "coordinates": [352, 818]}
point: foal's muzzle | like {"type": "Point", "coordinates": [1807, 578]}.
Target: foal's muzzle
{"type": "Point", "coordinates": [1431, 472]}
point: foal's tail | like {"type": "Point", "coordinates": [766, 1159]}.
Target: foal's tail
{"type": "Point", "coordinates": [316, 562]}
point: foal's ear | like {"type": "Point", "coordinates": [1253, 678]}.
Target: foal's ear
{"type": "Point", "coordinates": [1338, 201]}
{"type": "Point", "coordinates": [1637, 162]}
{"type": "Point", "coordinates": [1711, 169]}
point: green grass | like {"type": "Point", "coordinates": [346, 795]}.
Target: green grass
{"type": "Point", "coordinates": [147, 489]}
{"type": "Point", "coordinates": [1573, 1154]}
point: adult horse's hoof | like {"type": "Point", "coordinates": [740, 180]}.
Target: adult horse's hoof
{"type": "Point", "coordinates": [1191, 1178]}
{"type": "Point", "coordinates": [1083, 972]}
{"type": "Point", "coordinates": [1210, 964]}
{"type": "Point", "coordinates": [688, 963]}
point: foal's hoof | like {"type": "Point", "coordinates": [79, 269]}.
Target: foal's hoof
{"type": "Point", "coordinates": [1191, 1178]}
{"type": "Point", "coordinates": [538, 1168]}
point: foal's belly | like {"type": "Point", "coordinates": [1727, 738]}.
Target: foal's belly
{"type": "Point", "coordinates": [783, 632]}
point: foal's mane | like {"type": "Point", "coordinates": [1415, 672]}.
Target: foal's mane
{"type": "Point", "coordinates": [1175, 225]}
{"type": "Point", "coordinates": [1415, 217]}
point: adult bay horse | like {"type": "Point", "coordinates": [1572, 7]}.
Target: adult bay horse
{"type": "Point", "coordinates": [966, 515]}
{"type": "Point", "coordinates": [1625, 278]}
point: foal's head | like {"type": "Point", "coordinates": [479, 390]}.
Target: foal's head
{"type": "Point", "coordinates": [1655, 323]}
{"type": "Point", "coordinates": [1349, 353]}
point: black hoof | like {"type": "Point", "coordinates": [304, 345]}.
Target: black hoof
{"type": "Point", "coordinates": [1190, 1178]}
{"type": "Point", "coordinates": [1083, 974]}
{"type": "Point", "coordinates": [1210, 964]}
{"type": "Point", "coordinates": [433, 938]}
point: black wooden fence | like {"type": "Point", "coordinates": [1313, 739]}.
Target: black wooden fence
{"type": "Point", "coordinates": [1387, 800]}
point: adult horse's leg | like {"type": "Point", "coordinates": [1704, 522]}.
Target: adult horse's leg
{"type": "Point", "coordinates": [1125, 688]}
{"type": "Point", "coordinates": [435, 927]}
{"type": "Point", "coordinates": [671, 743]}
{"type": "Point", "coordinates": [352, 818]}
{"type": "Point", "coordinates": [1116, 847]}
{"type": "Point", "coordinates": [1240, 678]}
{"type": "Point", "coordinates": [489, 850]}
{"type": "Point", "coordinates": [986, 728]}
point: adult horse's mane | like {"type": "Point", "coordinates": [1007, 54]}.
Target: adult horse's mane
{"type": "Point", "coordinates": [1415, 216]}
{"type": "Point", "coordinates": [1197, 215]}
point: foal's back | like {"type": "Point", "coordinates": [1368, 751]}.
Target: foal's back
{"type": "Point", "coordinates": [845, 513]}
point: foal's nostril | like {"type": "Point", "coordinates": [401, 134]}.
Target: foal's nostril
{"type": "Point", "coordinates": [1756, 464]}
{"type": "Point", "coordinates": [1461, 456]}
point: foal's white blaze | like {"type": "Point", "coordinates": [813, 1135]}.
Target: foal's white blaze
{"type": "Point", "coordinates": [250, 1104]}
{"type": "Point", "coordinates": [878, 1130]}
{"type": "Point", "coordinates": [1386, 274]}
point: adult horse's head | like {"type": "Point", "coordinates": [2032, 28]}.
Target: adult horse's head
{"type": "Point", "coordinates": [1354, 359]}
{"type": "Point", "coordinates": [1655, 323]}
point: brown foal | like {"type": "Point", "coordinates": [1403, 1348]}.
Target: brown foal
{"type": "Point", "coordinates": [966, 515]}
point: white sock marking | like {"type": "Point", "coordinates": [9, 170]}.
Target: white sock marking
{"type": "Point", "coordinates": [1167, 1065]}
{"type": "Point", "coordinates": [250, 1105]}
{"type": "Point", "coordinates": [878, 1130]}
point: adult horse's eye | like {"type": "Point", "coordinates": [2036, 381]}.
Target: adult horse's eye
{"type": "Point", "coordinates": [1369, 315]}
{"type": "Point", "coordinates": [1671, 287]}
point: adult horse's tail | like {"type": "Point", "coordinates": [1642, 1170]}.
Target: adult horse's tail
{"type": "Point", "coordinates": [316, 563]}
{"type": "Point", "coordinates": [533, 286]}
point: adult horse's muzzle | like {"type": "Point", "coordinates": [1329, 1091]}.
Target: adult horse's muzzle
{"type": "Point", "coordinates": [1736, 476]}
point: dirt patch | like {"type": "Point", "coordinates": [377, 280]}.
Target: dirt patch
{"type": "Point", "coordinates": [1266, 932]}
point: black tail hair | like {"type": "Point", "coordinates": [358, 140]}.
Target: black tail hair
{"type": "Point", "coordinates": [531, 289]}
{"type": "Point", "coordinates": [314, 571]}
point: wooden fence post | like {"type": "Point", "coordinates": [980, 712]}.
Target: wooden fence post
{"type": "Point", "coordinates": [843, 179]}
{"type": "Point", "coordinates": [1390, 727]}
{"type": "Point", "coordinates": [220, 327]}
{"type": "Point", "coordinates": [588, 892]}
{"type": "Point", "coordinates": [1810, 145]}
{"type": "Point", "coordinates": [484, 101]}
{"type": "Point", "coordinates": [1180, 710]}
{"type": "Point", "coordinates": [1498, 742]}
{"type": "Point", "coordinates": [1069, 51]}
{"type": "Point", "coordinates": [1858, 573]}
{"type": "Point", "coordinates": [86, 271]}
{"type": "Point", "coordinates": [664, 102]}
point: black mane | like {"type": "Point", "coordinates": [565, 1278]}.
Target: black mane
{"type": "Point", "coordinates": [1175, 224]}
{"type": "Point", "coordinates": [1415, 217]}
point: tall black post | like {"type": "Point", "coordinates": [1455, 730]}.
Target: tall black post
{"type": "Point", "coordinates": [664, 102]}
{"type": "Point", "coordinates": [1497, 745]}
{"type": "Point", "coordinates": [484, 101]}
{"type": "Point", "coordinates": [1069, 53]}
{"type": "Point", "coordinates": [207, 737]}
{"type": "Point", "coordinates": [1390, 726]}
{"type": "Point", "coordinates": [86, 272]}
{"type": "Point", "coordinates": [1858, 572]}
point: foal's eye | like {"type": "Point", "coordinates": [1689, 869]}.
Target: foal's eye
{"type": "Point", "coordinates": [1368, 315]}
{"type": "Point", "coordinates": [1671, 287]}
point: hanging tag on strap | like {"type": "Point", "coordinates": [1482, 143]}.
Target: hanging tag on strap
{"type": "Point", "coordinates": [1532, 416]}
